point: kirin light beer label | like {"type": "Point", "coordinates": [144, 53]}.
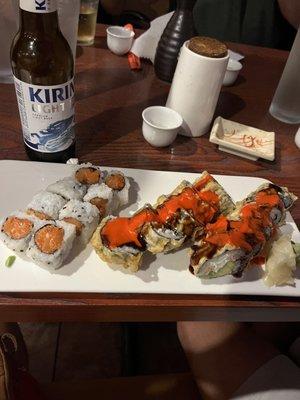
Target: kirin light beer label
{"type": "Point", "coordinates": [47, 115]}
{"type": "Point", "coordinates": [38, 6]}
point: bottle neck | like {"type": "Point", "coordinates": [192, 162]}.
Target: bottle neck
{"type": "Point", "coordinates": [185, 4]}
{"type": "Point", "coordinates": [39, 16]}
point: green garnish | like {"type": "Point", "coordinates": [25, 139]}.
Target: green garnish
{"type": "Point", "coordinates": [10, 260]}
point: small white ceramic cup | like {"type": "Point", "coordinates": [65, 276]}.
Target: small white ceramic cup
{"type": "Point", "coordinates": [119, 39]}
{"type": "Point", "coordinates": [160, 125]}
{"type": "Point", "coordinates": [232, 71]}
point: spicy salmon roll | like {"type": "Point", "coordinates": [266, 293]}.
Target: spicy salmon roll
{"type": "Point", "coordinates": [68, 188]}
{"type": "Point", "coordinates": [46, 205]}
{"type": "Point", "coordinates": [88, 174]}
{"type": "Point", "coordinates": [102, 197]}
{"type": "Point", "coordinates": [119, 183]}
{"type": "Point", "coordinates": [17, 229]}
{"type": "Point", "coordinates": [84, 216]}
{"type": "Point", "coordinates": [51, 244]}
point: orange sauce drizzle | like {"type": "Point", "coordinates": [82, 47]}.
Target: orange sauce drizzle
{"type": "Point", "coordinates": [202, 204]}
{"type": "Point", "coordinates": [254, 217]}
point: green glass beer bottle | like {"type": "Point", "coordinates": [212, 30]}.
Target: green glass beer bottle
{"type": "Point", "coordinates": [43, 68]}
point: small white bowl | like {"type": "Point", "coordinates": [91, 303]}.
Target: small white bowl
{"type": "Point", "coordinates": [160, 125]}
{"type": "Point", "coordinates": [232, 71]}
{"type": "Point", "coordinates": [119, 39]}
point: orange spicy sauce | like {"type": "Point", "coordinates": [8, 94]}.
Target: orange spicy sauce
{"type": "Point", "coordinates": [188, 200]}
{"type": "Point", "coordinates": [254, 217]}
{"type": "Point", "coordinates": [203, 205]}
{"type": "Point", "coordinates": [121, 231]}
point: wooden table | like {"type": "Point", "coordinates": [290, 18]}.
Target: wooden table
{"type": "Point", "coordinates": [110, 100]}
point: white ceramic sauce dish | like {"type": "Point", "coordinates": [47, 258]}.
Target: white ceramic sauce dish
{"type": "Point", "coordinates": [119, 39]}
{"type": "Point", "coordinates": [160, 125]}
{"type": "Point", "coordinates": [232, 71]}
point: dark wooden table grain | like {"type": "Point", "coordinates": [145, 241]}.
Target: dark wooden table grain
{"type": "Point", "coordinates": [110, 100]}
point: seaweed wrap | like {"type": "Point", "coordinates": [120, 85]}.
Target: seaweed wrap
{"type": "Point", "coordinates": [17, 229]}
{"type": "Point", "coordinates": [232, 242]}
{"type": "Point", "coordinates": [51, 244]}
{"type": "Point", "coordinates": [88, 174]}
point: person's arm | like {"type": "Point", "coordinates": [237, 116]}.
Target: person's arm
{"type": "Point", "coordinates": [222, 355]}
{"type": "Point", "coordinates": [291, 11]}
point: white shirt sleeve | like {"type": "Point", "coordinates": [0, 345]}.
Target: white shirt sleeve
{"type": "Point", "coordinates": [278, 379]}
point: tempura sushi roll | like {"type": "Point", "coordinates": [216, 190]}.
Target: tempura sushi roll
{"type": "Point", "coordinates": [209, 190]}
{"type": "Point", "coordinates": [51, 244]}
{"type": "Point", "coordinates": [160, 238]}
{"type": "Point", "coordinates": [88, 174]}
{"type": "Point", "coordinates": [233, 241]}
{"type": "Point", "coordinates": [46, 205]}
{"type": "Point", "coordinates": [119, 240]}
{"type": "Point", "coordinates": [17, 229]}
{"type": "Point", "coordinates": [68, 188]}
{"type": "Point", "coordinates": [102, 197]}
{"type": "Point", "coordinates": [119, 183]}
{"type": "Point", "coordinates": [84, 216]}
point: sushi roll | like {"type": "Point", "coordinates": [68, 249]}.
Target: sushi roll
{"type": "Point", "coordinates": [17, 229]}
{"type": "Point", "coordinates": [232, 242]}
{"type": "Point", "coordinates": [46, 205]}
{"type": "Point", "coordinates": [102, 197]}
{"type": "Point", "coordinates": [160, 238]}
{"type": "Point", "coordinates": [51, 244]}
{"type": "Point", "coordinates": [209, 190]}
{"type": "Point", "coordinates": [119, 240]}
{"type": "Point", "coordinates": [68, 188]}
{"type": "Point", "coordinates": [87, 174]}
{"type": "Point", "coordinates": [119, 183]}
{"type": "Point", "coordinates": [84, 216]}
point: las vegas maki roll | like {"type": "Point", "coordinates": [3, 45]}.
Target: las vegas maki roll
{"type": "Point", "coordinates": [119, 240]}
{"type": "Point", "coordinates": [232, 242]}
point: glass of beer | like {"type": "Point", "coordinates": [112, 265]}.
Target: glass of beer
{"type": "Point", "coordinates": [87, 22]}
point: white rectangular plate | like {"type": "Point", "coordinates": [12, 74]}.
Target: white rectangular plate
{"type": "Point", "coordinates": [87, 273]}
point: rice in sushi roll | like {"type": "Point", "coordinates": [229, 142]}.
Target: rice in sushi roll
{"type": "Point", "coordinates": [87, 174]}
{"type": "Point", "coordinates": [119, 183]}
{"type": "Point", "coordinates": [46, 205]}
{"type": "Point", "coordinates": [102, 197]}
{"type": "Point", "coordinates": [231, 242]}
{"type": "Point", "coordinates": [17, 229]}
{"type": "Point", "coordinates": [51, 244]}
{"type": "Point", "coordinates": [84, 216]}
{"type": "Point", "coordinates": [127, 255]}
{"type": "Point", "coordinates": [68, 188]}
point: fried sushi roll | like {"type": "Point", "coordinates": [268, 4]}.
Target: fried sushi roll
{"type": "Point", "coordinates": [119, 240]}
{"type": "Point", "coordinates": [185, 212]}
{"type": "Point", "coordinates": [68, 188]}
{"type": "Point", "coordinates": [87, 174]}
{"type": "Point", "coordinates": [84, 216]}
{"type": "Point", "coordinates": [103, 198]}
{"type": "Point", "coordinates": [51, 244]}
{"type": "Point", "coordinates": [46, 205]}
{"type": "Point", "coordinates": [17, 229]}
{"type": "Point", "coordinates": [119, 183]}
{"type": "Point", "coordinates": [232, 242]}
